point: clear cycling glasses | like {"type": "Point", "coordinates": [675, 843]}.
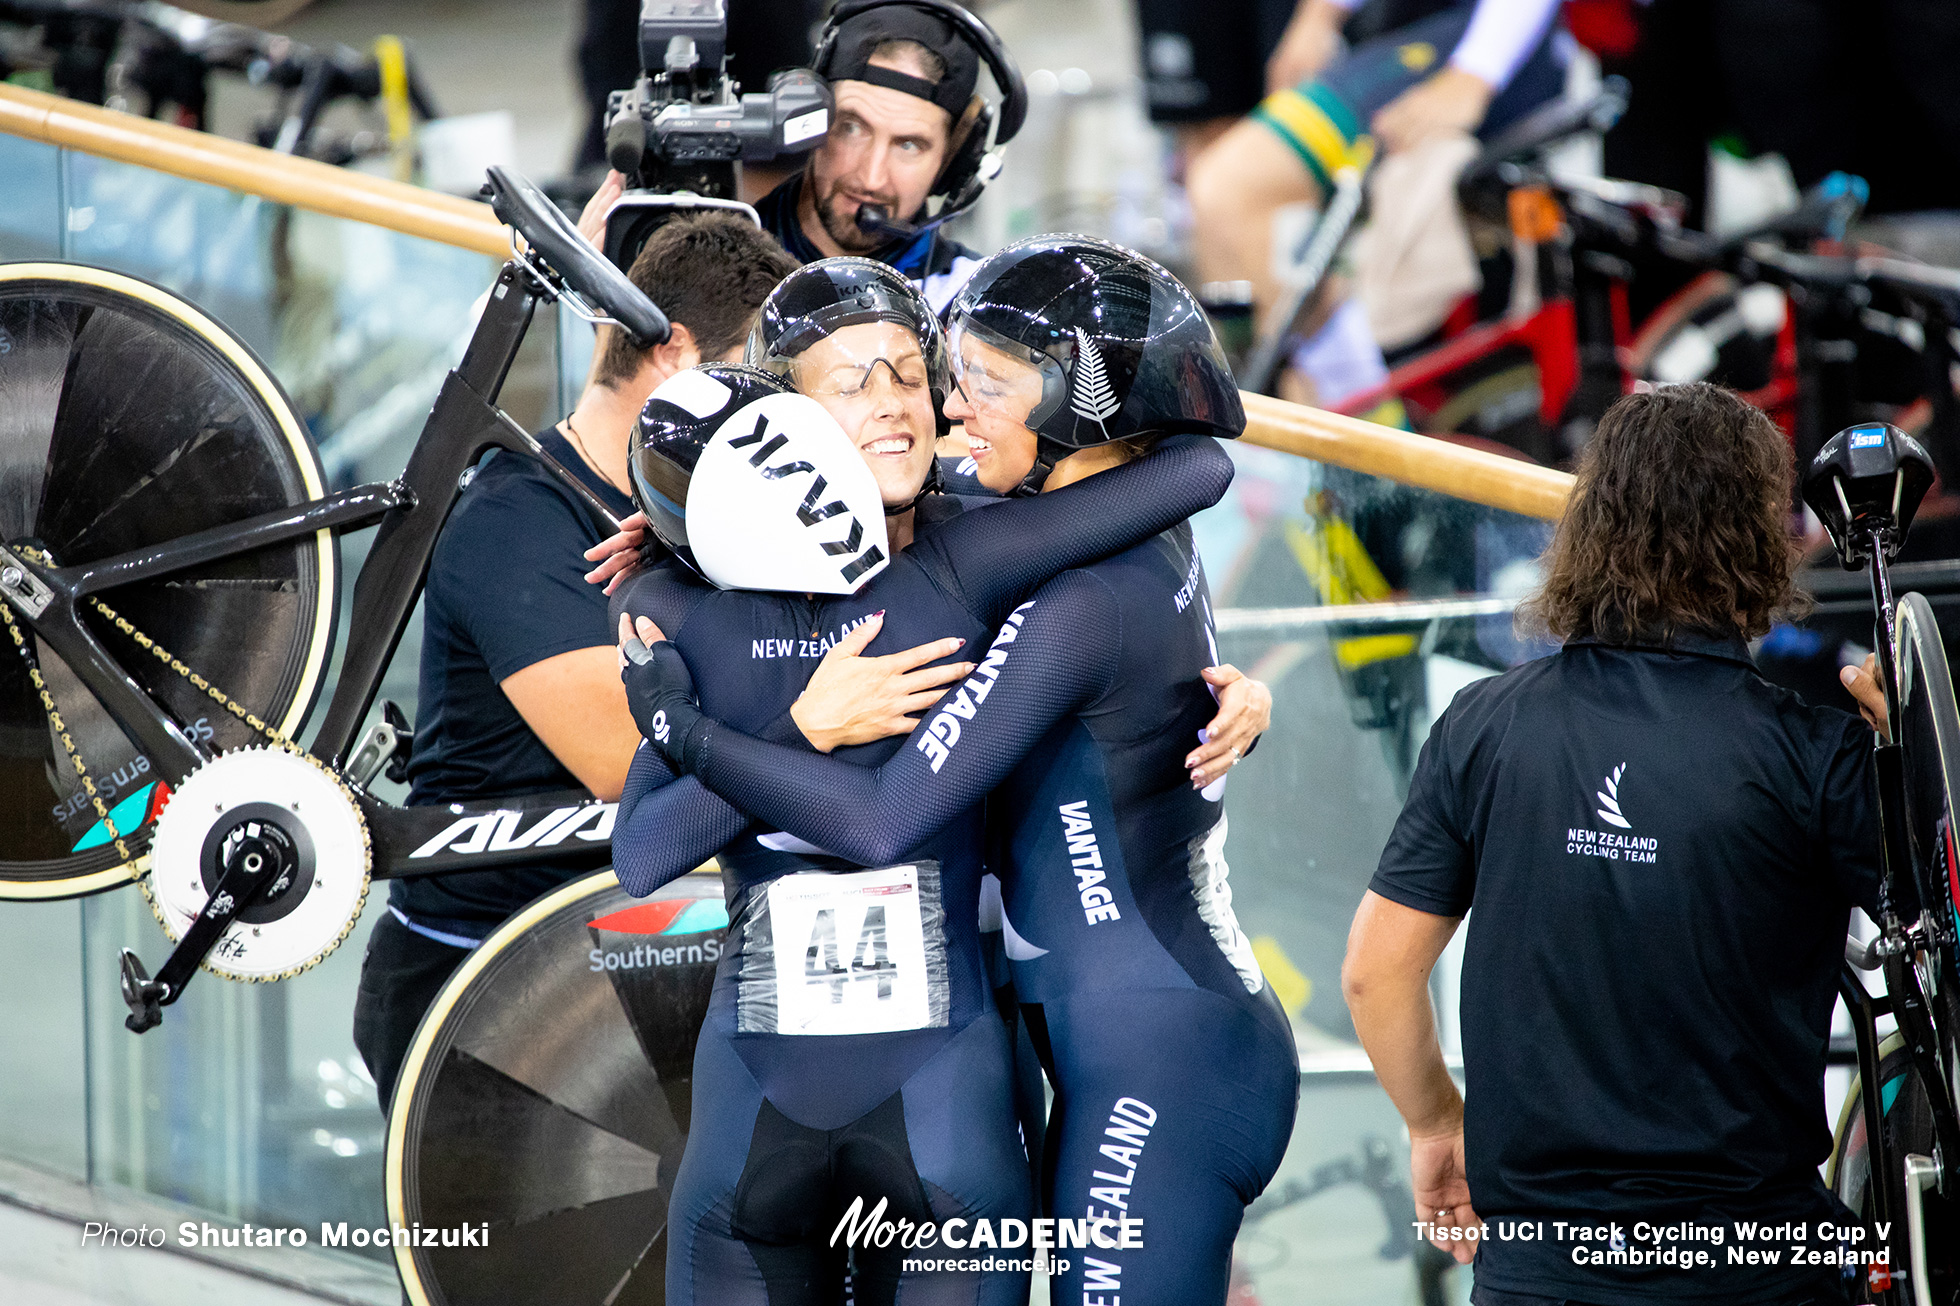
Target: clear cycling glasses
{"type": "Point", "coordinates": [999, 377]}
{"type": "Point", "coordinates": [829, 369]}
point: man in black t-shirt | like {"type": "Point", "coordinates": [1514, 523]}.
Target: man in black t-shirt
{"type": "Point", "coordinates": [520, 691]}
{"type": "Point", "coordinates": [1662, 850]}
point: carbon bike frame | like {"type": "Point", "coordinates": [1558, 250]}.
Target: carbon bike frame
{"type": "Point", "coordinates": [464, 423]}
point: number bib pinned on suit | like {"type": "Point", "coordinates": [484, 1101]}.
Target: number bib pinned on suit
{"type": "Point", "coordinates": [862, 952]}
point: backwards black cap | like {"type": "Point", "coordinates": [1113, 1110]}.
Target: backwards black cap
{"type": "Point", "coordinates": [846, 55]}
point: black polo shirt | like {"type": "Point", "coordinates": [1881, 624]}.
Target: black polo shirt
{"type": "Point", "coordinates": [506, 590]}
{"type": "Point", "coordinates": [1662, 850]}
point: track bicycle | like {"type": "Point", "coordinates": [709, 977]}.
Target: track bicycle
{"type": "Point", "coordinates": [1896, 1161]}
{"type": "Point", "coordinates": [1537, 356]}
{"type": "Point", "coordinates": [169, 571]}
{"type": "Point", "coordinates": [547, 1095]}
{"type": "Point", "coordinates": [1314, 254]}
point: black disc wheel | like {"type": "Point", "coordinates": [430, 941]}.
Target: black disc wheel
{"type": "Point", "coordinates": [544, 1102]}
{"type": "Point", "coordinates": [1907, 1118]}
{"type": "Point", "coordinates": [129, 418]}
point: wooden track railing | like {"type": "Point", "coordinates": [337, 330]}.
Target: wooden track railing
{"type": "Point", "coordinates": [1450, 469]}
{"type": "Point", "coordinates": [234, 165]}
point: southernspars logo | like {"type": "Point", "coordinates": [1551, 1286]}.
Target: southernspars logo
{"type": "Point", "coordinates": [1609, 799]}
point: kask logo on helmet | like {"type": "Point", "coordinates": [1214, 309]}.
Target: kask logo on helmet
{"type": "Point", "coordinates": [808, 512]}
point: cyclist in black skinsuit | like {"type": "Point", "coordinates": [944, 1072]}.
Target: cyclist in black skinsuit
{"type": "Point", "coordinates": [1174, 1067]}
{"type": "Point", "coordinates": [918, 1115]}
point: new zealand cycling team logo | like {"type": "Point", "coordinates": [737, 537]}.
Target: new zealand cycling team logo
{"type": "Point", "coordinates": [1584, 841]}
{"type": "Point", "coordinates": [1609, 799]}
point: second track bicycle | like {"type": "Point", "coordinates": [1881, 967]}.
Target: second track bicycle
{"type": "Point", "coordinates": [1897, 1157]}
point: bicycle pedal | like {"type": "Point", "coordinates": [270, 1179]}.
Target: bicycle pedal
{"type": "Point", "coordinates": [142, 995]}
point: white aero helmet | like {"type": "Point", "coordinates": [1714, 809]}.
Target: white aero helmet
{"type": "Point", "coordinates": [755, 486]}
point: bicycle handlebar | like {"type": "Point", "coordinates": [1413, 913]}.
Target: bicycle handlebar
{"type": "Point", "coordinates": [556, 243]}
{"type": "Point", "coordinates": [1935, 287]}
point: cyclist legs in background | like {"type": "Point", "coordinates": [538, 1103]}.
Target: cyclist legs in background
{"type": "Point", "coordinates": [1290, 149]}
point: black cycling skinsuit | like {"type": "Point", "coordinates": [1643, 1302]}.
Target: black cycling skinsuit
{"type": "Point", "coordinates": [788, 1129]}
{"type": "Point", "coordinates": [1175, 1070]}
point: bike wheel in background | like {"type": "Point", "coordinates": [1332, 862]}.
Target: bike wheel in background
{"type": "Point", "coordinates": [128, 418]}
{"type": "Point", "coordinates": [1929, 728]}
{"type": "Point", "coordinates": [544, 1101]}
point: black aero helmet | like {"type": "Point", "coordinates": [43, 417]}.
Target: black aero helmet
{"type": "Point", "coordinates": [820, 299]}
{"type": "Point", "coordinates": [1122, 347]}
{"type": "Point", "coordinates": [754, 486]}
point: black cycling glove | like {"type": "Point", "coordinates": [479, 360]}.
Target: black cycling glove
{"type": "Point", "coordinates": [660, 693]}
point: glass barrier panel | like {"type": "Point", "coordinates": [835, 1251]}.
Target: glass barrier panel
{"type": "Point", "coordinates": [1366, 605]}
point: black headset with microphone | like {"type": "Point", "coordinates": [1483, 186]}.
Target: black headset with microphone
{"type": "Point", "coordinates": [977, 158]}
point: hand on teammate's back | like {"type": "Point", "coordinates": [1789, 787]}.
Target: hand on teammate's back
{"type": "Point", "coordinates": [1864, 687]}
{"type": "Point", "coordinates": [1450, 101]}
{"type": "Point", "coordinates": [618, 555]}
{"type": "Point", "coordinates": [1245, 710]}
{"type": "Point", "coordinates": [853, 699]}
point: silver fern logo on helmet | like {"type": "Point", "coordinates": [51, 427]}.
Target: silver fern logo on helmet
{"type": "Point", "coordinates": [1609, 799]}
{"type": "Point", "coordinates": [1090, 395]}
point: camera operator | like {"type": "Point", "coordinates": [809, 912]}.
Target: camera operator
{"type": "Point", "coordinates": [1662, 850]}
{"type": "Point", "coordinates": [519, 693]}
{"type": "Point", "coordinates": [907, 145]}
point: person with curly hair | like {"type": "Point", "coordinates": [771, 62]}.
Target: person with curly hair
{"type": "Point", "coordinates": [1662, 851]}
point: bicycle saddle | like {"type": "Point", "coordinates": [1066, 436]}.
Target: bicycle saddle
{"type": "Point", "coordinates": [1865, 484]}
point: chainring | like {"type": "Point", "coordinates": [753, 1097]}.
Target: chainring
{"type": "Point", "coordinates": [304, 917]}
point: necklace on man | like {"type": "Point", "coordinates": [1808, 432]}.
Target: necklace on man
{"type": "Point", "coordinates": [578, 442]}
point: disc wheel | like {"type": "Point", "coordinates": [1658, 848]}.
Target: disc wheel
{"type": "Point", "coordinates": [1907, 1118]}
{"type": "Point", "coordinates": [129, 418]}
{"type": "Point", "coordinates": [544, 1101]}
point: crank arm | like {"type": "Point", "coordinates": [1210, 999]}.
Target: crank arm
{"type": "Point", "coordinates": [252, 868]}
{"type": "Point", "coordinates": [1921, 1173]}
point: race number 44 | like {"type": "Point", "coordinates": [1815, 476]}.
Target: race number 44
{"type": "Point", "coordinates": [850, 952]}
